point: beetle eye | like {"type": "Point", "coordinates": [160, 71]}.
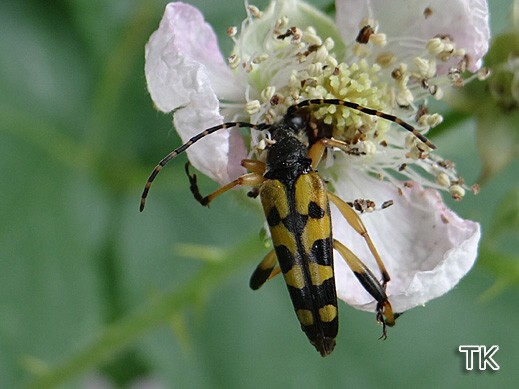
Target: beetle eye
{"type": "Point", "coordinates": [296, 122]}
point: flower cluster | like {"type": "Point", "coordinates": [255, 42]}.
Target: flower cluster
{"type": "Point", "coordinates": [382, 55]}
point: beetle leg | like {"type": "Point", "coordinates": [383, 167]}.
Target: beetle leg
{"type": "Point", "coordinates": [354, 220]}
{"type": "Point", "coordinates": [185, 146]}
{"type": "Point", "coordinates": [254, 166]}
{"type": "Point", "coordinates": [369, 282]}
{"type": "Point", "coordinates": [265, 271]}
{"type": "Point", "coordinates": [316, 152]}
{"type": "Point", "coordinates": [249, 179]}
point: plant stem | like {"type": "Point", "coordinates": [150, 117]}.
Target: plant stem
{"type": "Point", "coordinates": [119, 335]}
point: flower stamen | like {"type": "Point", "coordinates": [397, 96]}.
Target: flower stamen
{"type": "Point", "coordinates": [296, 64]}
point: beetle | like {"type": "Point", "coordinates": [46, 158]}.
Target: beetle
{"type": "Point", "coordinates": [296, 204]}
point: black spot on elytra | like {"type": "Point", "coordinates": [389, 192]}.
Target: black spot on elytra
{"type": "Point", "coordinates": [285, 258]}
{"type": "Point", "coordinates": [273, 218]}
{"type": "Point", "coordinates": [295, 223]}
{"type": "Point", "coordinates": [322, 251]}
{"type": "Point", "coordinates": [315, 211]}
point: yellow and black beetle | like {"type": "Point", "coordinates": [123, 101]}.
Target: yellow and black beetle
{"type": "Point", "coordinates": [296, 205]}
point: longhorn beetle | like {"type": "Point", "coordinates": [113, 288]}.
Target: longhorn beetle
{"type": "Point", "coordinates": [296, 204]}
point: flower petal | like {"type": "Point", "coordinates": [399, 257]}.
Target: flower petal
{"type": "Point", "coordinates": [184, 42]}
{"type": "Point", "coordinates": [299, 14]}
{"type": "Point", "coordinates": [218, 155]}
{"type": "Point", "coordinates": [425, 246]}
{"type": "Point", "coordinates": [466, 21]}
{"type": "Point", "coordinates": [184, 68]}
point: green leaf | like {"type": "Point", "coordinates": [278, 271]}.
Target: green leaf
{"type": "Point", "coordinates": [506, 218]}
{"type": "Point", "coordinates": [158, 312]}
{"type": "Point", "coordinates": [84, 276]}
{"type": "Point", "coordinates": [505, 267]}
{"type": "Point", "coordinates": [495, 104]}
{"type": "Point", "coordinates": [498, 140]}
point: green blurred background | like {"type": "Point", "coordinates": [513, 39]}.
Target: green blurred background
{"type": "Point", "coordinates": [91, 288]}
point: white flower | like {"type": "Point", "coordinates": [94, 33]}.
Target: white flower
{"type": "Point", "coordinates": [383, 55]}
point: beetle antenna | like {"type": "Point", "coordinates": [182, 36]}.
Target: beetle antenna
{"type": "Point", "coordinates": [368, 111]}
{"type": "Point", "coordinates": [185, 146]}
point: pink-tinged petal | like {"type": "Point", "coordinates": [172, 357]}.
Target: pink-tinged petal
{"type": "Point", "coordinates": [185, 71]}
{"type": "Point", "coordinates": [184, 45]}
{"type": "Point", "coordinates": [217, 155]}
{"type": "Point", "coordinates": [425, 246]}
{"type": "Point", "coordinates": [466, 21]}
